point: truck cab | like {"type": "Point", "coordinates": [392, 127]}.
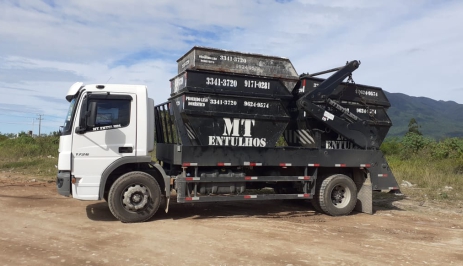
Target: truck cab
{"type": "Point", "coordinates": [102, 131]}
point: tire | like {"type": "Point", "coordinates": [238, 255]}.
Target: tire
{"type": "Point", "coordinates": [134, 197]}
{"type": "Point", "coordinates": [315, 202]}
{"type": "Point", "coordinates": [337, 195]}
{"type": "Point", "coordinates": [316, 205]}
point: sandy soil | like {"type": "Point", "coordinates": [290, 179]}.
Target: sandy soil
{"type": "Point", "coordinates": [39, 227]}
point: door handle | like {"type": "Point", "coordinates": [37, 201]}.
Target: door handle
{"type": "Point", "coordinates": [125, 149]}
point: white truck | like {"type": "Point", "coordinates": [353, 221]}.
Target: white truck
{"type": "Point", "coordinates": [216, 138]}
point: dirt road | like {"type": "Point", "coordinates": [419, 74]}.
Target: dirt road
{"type": "Point", "coordinates": [39, 227]}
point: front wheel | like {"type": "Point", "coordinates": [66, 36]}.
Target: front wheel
{"type": "Point", "coordinates": [337, 195]}
{"type": "Point", "coordinates": [134, 197]}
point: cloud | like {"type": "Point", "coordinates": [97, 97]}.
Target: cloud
{"type": "Point", "coordinates": [21, 108]}
{"type": "Point", "coordinates": [411, 47]}
{"type": "Point", "coordinates": [17, 76]}
{"type": "Point", "coordinates": [14, 88]}
{"type": "Point", "coordinates": [49, 99]}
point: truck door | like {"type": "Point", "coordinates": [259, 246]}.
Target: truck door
{"type": "Point", "coordinates": [112, 137]}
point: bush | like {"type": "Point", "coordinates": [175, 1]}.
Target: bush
{"type": "Point", "coordinates": [429, 164]}
{"type": "Point", "coordinates": [391, 146]}
{"type": "Point", "coordinates": [413, 143]}
{"type": "Point", "coordinates": [448, 148]}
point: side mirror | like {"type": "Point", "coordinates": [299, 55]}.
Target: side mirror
{"type": "Point", "coordinates": [91, 115]}
{"type": "Point", "coordinates": [87, 118]}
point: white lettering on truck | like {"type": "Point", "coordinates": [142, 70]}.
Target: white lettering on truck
{"type": "Point", "coordinates": [340, 144]}
{"type": "Point", "coordinates": [231, 134]}
{"type": "Point", "coordinates": [177, 83]}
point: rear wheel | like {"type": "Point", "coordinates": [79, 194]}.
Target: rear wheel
{"type": "Point", "coordinates": [315, 202]}
{"type": "Point", "coordinates": [337, 195]}
{"type": "Point", "coordinates": [134, 197]}
{"type": "Point", "coordinates": [316, 205]}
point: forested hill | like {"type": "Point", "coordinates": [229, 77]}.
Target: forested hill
{"type": "Point", "coordinates": [438, 119]}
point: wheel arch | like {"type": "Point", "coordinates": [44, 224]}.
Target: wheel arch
{"type": "Point", "coordinates": [127, 164]}
{"type": "Point", "coordinates": [325, 172]}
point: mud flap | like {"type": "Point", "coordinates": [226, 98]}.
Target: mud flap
{"type": "Point", "coordinates": [166, 209]}
{"type": "Point", "coordinates": [364, 194]}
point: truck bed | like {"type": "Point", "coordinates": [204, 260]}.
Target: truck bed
{"type": "Point", "coordinates": [381, 175]}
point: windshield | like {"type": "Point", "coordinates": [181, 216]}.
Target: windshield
{"type": "Point", "coordinates": [69, 117]}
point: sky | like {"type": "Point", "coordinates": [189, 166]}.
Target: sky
{"type": "Point", "coordinates": [411, 47]}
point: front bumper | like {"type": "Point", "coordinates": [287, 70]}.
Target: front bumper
{"type": "Point", "coordinates": [63, 183]}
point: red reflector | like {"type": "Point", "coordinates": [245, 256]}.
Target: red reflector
{"type": "Point", "coordinates": [247, 196]}
{"type": "Point", "coordinates": [252, 164]}
{"type": "Point", "coordinates": [306, 195]}
{"type": "Point", "coordinates": [220, 164]}
{"type": "Point", "coordinates": [189, 179]}
{"type": "Point", "coordinates": [186, 164]}
{"type": "Point", "coordinates": [189, 198]}
{"type": "Point", "coordinates": [303, 83]}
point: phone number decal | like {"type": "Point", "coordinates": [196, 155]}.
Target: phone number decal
{"type": "Point", "coordinates": [221, 82]}
{"type": "Point", "coordinates": [233, 59]}
{"type": "Point", "coordinates": [257, 84]}
{"type": "Point", "coordinates": [368, 93]}
{"type": "Point", "coordinates": [256, 104]}
{"type": "Point", "coordinates": [222, 102]}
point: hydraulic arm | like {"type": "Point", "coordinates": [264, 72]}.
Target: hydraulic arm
{"type": "Point", "coordinates": [347, 124]}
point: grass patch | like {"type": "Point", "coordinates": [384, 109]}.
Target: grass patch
{"type": "Point", "coordinates": [37, 166]}
{"type": "Point", "coordinates": [435, 168]}
{"type": "Point", "coordinates": [30, 156]}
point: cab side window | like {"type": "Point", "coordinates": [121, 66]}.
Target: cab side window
{"type": "Point", "coordinates": [112, 111]}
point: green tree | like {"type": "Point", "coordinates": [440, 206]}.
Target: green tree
{"type": "Point", "coordinates": [413, 127]}
{"type": "Point", "coordinates": [412, 143]}
{"type": "Point", "coordinates": [54, 134]}
{"type": "Point", "coordinates": [3, 137]}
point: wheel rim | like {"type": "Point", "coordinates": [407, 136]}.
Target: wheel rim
{"type": "Point", "coordinates": [135, 197]}
{"type": "Point", "coordinates": [340, 196]}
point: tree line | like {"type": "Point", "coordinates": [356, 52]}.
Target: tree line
{"type": "Point", "coordinates": [413, 143]}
